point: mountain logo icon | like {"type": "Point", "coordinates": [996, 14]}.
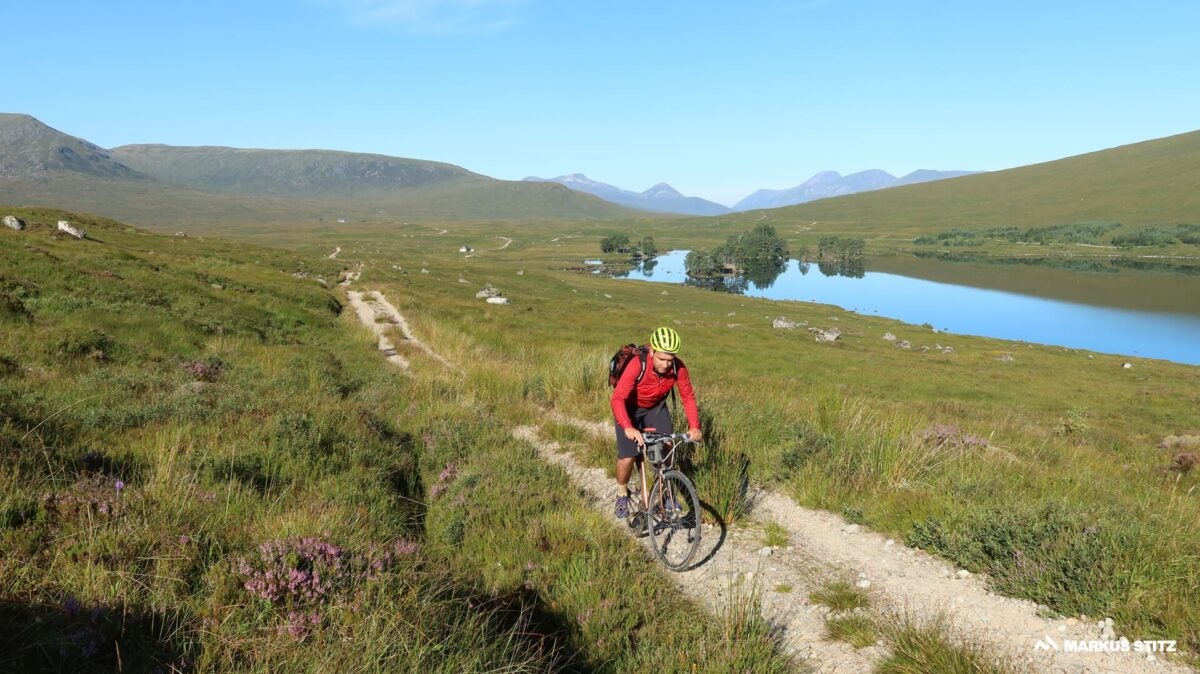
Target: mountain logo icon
{"type": "Point", "coordinates": [1046, 644]}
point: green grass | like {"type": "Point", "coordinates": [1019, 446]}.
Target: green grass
{"type": "Point", "coordinates": [840, 596]}
{"type": "Point", "coordinates": [165, 443]}
{"type": "Point", "coordinates": [923, 648]}
{"type": "Point", "coordinates": [847, 427]}
{"type": "Point", "coordinates": [856, 629]}
{"type": "Point", "coordinates": [774, 535]}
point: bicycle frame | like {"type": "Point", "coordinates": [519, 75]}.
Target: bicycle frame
{"type": "Point", "coordinates": [652, 438]}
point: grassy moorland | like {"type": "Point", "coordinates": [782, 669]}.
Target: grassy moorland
{"type": "Point", "coordinates": [204, 466]}
{"type": "Point", "coordinates": [1044, 472]}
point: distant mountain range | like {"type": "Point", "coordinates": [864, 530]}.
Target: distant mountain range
{"type": "Point", "coordinates": [662, 198]}
{"type": "Point", "coordinates": [165, 186]}
{"type": "Point", "coordinates": [832, 184]}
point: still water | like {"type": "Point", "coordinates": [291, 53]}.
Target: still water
{"type": "Point", "coordinates": [1152, 314]}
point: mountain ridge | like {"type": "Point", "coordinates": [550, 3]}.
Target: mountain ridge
{"type": "Point", "coordinates": [660, 198]}
{"type": "Point", "coordinates": [168, 186]}
{"type": "Point", "coordinates": [826, 184]}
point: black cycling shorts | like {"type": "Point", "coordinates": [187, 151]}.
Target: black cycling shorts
{"type": "Point", "coordinates": [657, 418]}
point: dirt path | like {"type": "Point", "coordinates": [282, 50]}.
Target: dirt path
{"type": "Point", "coordinates": [507, 242]}
{"type": "Point", "coordinates": [334, 254]}
{"type": "Point", "coordinates": [823, 548]}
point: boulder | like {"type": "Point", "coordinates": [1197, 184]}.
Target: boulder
{"type": "Point", "coordinates": [889, 336]}
{"type": "Point", "coordinates": [830, 335]}
{"type": "Point", "coordinates": [903, 344]}
{"type": "Point", "coordinates": [497, 300]}
{"type": "Point", "coordinates": [64, 226]}
{"type": "Point", "coordinates": [1185, 461]}
{"type": "Point", "coordinates": [13, 222]}
{"type": "Point", "coordinates": [784, 324]}
{"type": "Point", "coordinates": [1006, 358]}
{"type": "Point", "coordinates": [487, 292]}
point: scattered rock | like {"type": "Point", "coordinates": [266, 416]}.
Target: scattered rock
{"type": "Point", "coordinates": [663, 293]}
{"type": "Point", "coordinates": [784, 324]}
{"type": "Point", "coordinates": [488, 291]}
{"type": "Point", "coordinates": [765, 552]}
{"type": "Point", "coordinates": [889, 336]}
{"type": "Point", "coordinates": [497, 300]}
{"type": "Point", "coordinates": [462, 280]}
{"type": "Point", "coordinates": [948, 349]}
{"type": "Point", "coordinates": [1127, 366]}
{"type": "Point", "coordinates": [1184, 462]}
{"type": "Point", "coordinates": [424, 270]}
{"type": "Point", "coordinates": [64, 226]}
{"type": "Point", "coordinates": [830, 335]}
{"type": "Point", "coordinates": [963, 573]}
{"type": "Point", "coordinates": [1180, 442]}
{"type": "Point", "coordinates": [903, 344]}
{"type": "Point", "coordinates": [13, 222]}
{"type": "Point", "coordinates": [607, 296]}
{"type": "Point", "coordinates": [520, 272]}
{"type": "Point", "coordinates": [863, 584]}
{"type": "Point", "coordinates": [1006, 358]}
{"type": "Point", "coordinates": [949, 435]}
{"type": "Point", "coordinates": [851, 529]}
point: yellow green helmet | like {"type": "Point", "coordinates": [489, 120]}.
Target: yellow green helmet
{"type": "Point", "coordinates": [665, 339]}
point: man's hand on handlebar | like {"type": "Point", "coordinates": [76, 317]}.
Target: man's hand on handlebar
{"type": "Point", "coordinates": [694, 434]}
{"type": "Point", "coordinates": [634, 434]}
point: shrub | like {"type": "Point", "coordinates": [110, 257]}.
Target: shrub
{"type": "Point", "coordinates": [1065, 559]}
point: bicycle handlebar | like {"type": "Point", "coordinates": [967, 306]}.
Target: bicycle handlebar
{"type": "Point", "coordinates": [652, 438]}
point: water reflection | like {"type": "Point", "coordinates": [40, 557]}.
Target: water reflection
{"type": "Point", "coordinates": [1123, 310]}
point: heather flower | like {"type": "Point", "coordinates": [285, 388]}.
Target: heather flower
{"type": "Point", "coordinates": [119, 484]}
{"type": "Point", "coordinates": [71, 606]}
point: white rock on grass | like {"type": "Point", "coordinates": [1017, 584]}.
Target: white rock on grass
{"type": "Point", "coordinates": [889, 336]}
{"type": "Point", "coordinates": [784, 323]}
{"type": "Point", "coordinates": [64, 226]}
{"type": "Point", "coordinates": [497, 300]}
{"type": "Point", "coordinates": [13, 222]}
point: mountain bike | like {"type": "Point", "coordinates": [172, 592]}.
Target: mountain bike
{"type": "Point", "coordinates": [667, 509]}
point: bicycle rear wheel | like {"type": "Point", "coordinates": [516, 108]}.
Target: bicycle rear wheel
{"type": "Point", "coordinates": [674, 520]}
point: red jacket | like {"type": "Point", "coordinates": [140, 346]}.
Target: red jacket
{"type": "Point", "coordinates": [652, 390]}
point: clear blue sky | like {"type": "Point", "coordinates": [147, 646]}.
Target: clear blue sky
{"type": "Point", "coordinates": [716, 98]}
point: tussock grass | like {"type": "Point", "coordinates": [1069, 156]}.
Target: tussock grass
{"type": "Point", "coordinates": [840, 596]}
{"type": "Point", "coordinates": [923, 648]}
{"type": "Point", "coordinates": [855, 629]}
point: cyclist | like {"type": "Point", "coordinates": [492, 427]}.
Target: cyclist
{"type": "Point", "coordinates": [638, 406]}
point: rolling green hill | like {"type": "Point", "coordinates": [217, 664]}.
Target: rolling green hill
{"type": "Point", "coordinates": [289, 173]}
{"type": "Point", "coordinates": [1144, 183]}
{"type": "Point", "coordinates": [167, 188]}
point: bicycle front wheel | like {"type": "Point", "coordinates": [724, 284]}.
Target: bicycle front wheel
{"type": "Point", "coordinates": [674, 520]}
